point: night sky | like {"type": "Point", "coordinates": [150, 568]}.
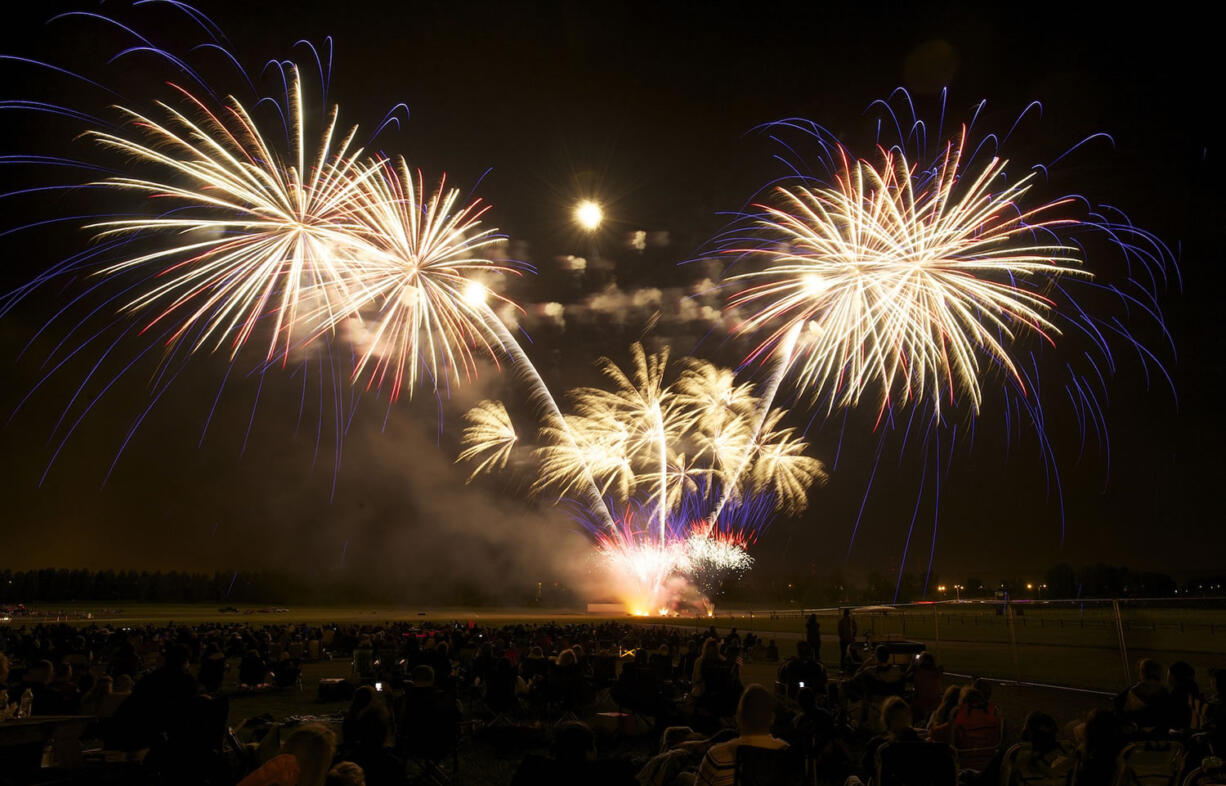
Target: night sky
{"type": "Point", "coordinates": [649, 108]}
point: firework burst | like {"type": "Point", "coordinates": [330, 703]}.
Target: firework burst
{"type": "Point", "coordinates": [910, 281]}
{"type": "Point", "coordinates": [423, 268]}
{"type": "Point", "coordinates": [257, 233]}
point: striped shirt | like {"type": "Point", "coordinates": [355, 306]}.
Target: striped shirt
{"type": "Point", "coordinates": [718, 767]}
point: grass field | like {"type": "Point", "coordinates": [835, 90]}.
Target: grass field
{"type": "Point", "coordinates": [1059, 643]}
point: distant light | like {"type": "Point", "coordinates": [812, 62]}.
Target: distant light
{"type": "Point", "coordinates": [1029, 586]}
{"type": "Point", "coordinates": [475, 293]}
{"type": "Point", "coordinates": [588, 215]}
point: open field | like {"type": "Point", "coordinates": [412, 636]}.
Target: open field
{"type": "Point", "coordinates": [1057, 643]}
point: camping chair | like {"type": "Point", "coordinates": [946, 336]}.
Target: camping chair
{"type": "Point", "coordinates": [916, 764]}
{"type": "Point", "coordinates": [1021, 767]}
{"type": "Point", "coordinates": [766, 767]}
{"type": "Point", "coordinates": [1150, 763]}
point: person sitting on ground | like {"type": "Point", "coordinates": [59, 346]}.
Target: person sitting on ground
{"type": "Point", "coordinates": [896, 720]}
{"type": "Point", "coordinates": [362, 699]}
{"type": "Point", "coordinates": [212, 667]}
{"type": "Point", "coordinates": [754, 714]}
{"type": "Point", "coordinates": [158, 709]}
{"type": "Point", "coordinates": [812, 726]}
{"type": "Point", "coordinates": [1040, 758]}
{"type": "Point", "coordinates": [1100, 740]}
{"type": "Point", "coordinates": [574, 761]}
{"type": "Point", "coordinates": [62, 683]}
{"type": "Point", "coordinates": [1187, 708]}
{"type": "Point", "coordinates": [1146, 705]}
{"type": "Point", "coordinates": [429, 717]}
{"type": "Point", "coordinates": [119, 693]}
{"type": "Point", "coordinates": [368, 746]}
{"type": "Point", "coordinates": [927, 677]}
{"type": "Point", "coordinates": [710, 656]}
{"type": "Point", "coordinates": [802, 671]}
{"type": "Point", "coordinates": [1215, 710]}
{"type": "Point", "coordinates": [37, 680]}
{"type": "Point", "coordinates": [878, 676]}
{"type": "Point", "coordinates": [940, 723]}
{"type": "Point", "coordinates": [976, 723]}
{"type": "Point", "coordinates": [252, 670]}
{"type": "Point", "coordinates": [305, 759]}
{"type": "Point", "coordinates": [92, 701]}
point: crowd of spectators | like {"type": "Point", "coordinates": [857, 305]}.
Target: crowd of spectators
{"type": "Point", "coordinates": [419, 693]}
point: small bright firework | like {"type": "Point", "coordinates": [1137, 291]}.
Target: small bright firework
{"type": "Point", "coordinates": [712, 557]}
{"type": "Point", "coordinates": [911, 281]}
{"type": "Point", "coordinates": [490, 437]}
{"type": "Point", "coordinates": [257, 234]}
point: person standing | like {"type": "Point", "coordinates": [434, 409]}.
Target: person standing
{"type": "Point", "coordinates": [847, 634]}
{"type": "Point", "coordinates": [813, 635]}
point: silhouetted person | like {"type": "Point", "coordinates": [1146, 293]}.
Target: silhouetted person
{"type": "Point", "coordinates": [813, 635]}
{"type": "Point", "coordinates": [157, 713]}
{"type": "Point", "coordinates": [847, 634]}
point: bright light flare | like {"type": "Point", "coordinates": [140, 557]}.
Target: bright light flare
{"type": "Point", "coordinates": [589, 215]}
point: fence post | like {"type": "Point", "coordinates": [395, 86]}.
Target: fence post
{"type": "Point", "coordinates": [1017, 663]}
{"type": "Point", "coordinates": [936, 623]}
{"type": "Point", "coordinates": [1119, 630]}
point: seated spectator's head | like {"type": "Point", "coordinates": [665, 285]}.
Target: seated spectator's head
{"type": "Point", "coordinates": [641, 656]}
{"type": "Point", "coordinates": [566, 658]}
{"type": "Point", "coordinates": [578, 652]}
{"type": "Point", "coordinates": [895, 715]}
{"type": "Point", "coordinates": [883, 654]}
{"type": "Point", "coordinates": [346, 774]}
{"type": "Point", "coordinates": [710, 649]}
{"type": "Point", "coordinates": [972, 698]}
{"type": "Point", "coordinates": [984, 687]}
{"type": "Point", "coordinates": [1219, 683]}
{"type": "Point", "coordinates": [373, 727]}
{"type": "Point", "coordinates": [423, 676]}
{"type": "Point", "coordinates": [806, 699]}
{"type": "Point", "coordinates": [103, 686]}
{"type": "Point", "coordinates": [949, 700]}
{"type": "Point", "coordinates": [1181, 675]}
{"type": "Point", "coordinates": [313, 745]}
{"type": "Point", "coordinates": [1041, 731]}
{"type": "Point", "coordinates": [536, 652]}
{"type": "Point", "coordinates": [755, 712]}
{"type": "Point", "coordinates": [1150, 670]}
{"type": "Point", "coordinates": [574, 743]}
{"type": "Point", "coordinates": [925, 660]}
{"type": "Point", "coordinates": [40, 673]}
{"type": "Point", "coordinates": [175, 657]}
{"type": "Point", "coordinates": [363, 697]}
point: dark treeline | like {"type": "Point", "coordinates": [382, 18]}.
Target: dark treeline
{"type": "Point", "coordinates": [773, 590]}
{"type": "Point", "coordinates": [59, 585]}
